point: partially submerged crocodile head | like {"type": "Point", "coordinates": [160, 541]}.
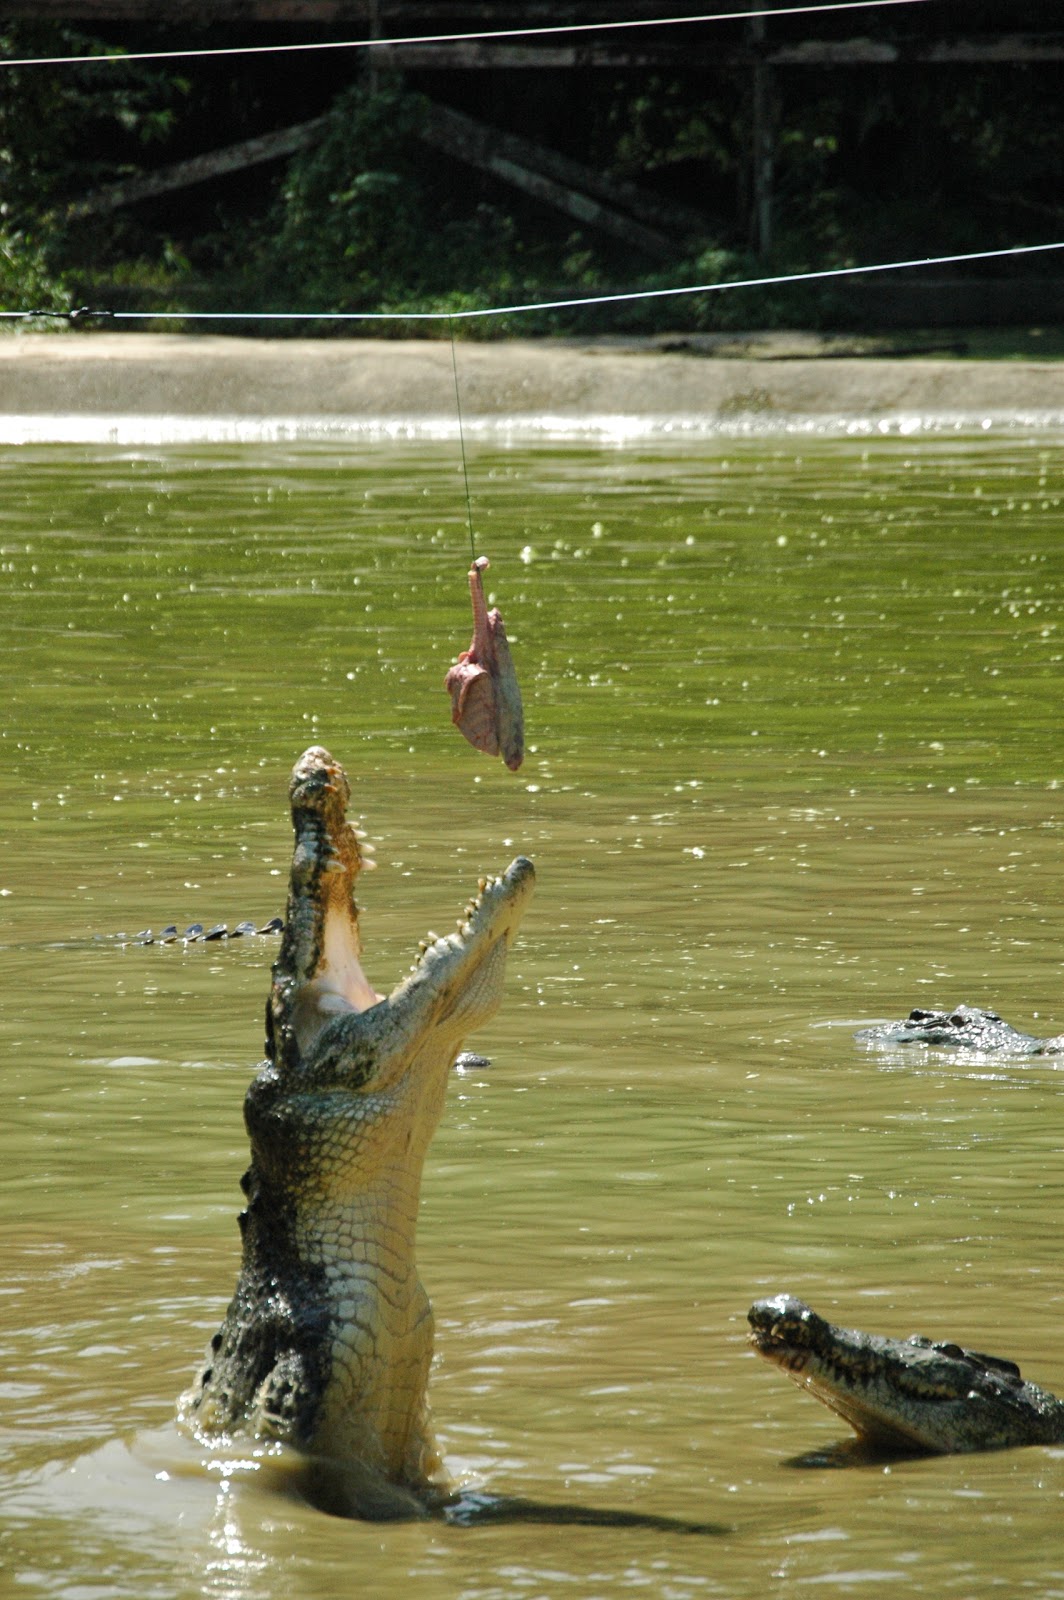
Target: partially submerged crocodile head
{"type": "Point", "coordinates": [905, 1395]}
{"type": "Point", "coordinates": [328, 1340]}
{"type": "Point", "coordinates": [962, 1028]}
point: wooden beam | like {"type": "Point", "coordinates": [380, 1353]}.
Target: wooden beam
{"type": "Point", "coordinates": [655, 211]}
{"type": "Point", "coordinates": [395, 14]}
{"type": "Point", "coordinates": [180, 11]}
{"type": "Point", "coordinates": [182, 174]}
{"type": "Point", "coordinates": [540, 172]}
{"type": "Point", "coordinates": [1003, 48]}
{"type": "Point", "coordinates": [568, 185]}
{"type": "Point", "coordinates": [541, 55]}
{"type": "Point", "coordinates": [478, 55]}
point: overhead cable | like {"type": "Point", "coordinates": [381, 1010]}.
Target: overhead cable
{"type": "Point", "coordinates": [86, 313]}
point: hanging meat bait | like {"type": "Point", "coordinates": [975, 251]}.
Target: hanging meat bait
{"type": "Point", "coordinates": [485, 698]}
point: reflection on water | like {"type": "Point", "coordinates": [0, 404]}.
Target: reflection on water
{"type": "Point", "coordinates": [793, 716]}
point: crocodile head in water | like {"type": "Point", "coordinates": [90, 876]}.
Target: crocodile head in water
{"type": "Point", "coordinates": [962, 1028]}
{"type": "Point", "coordinates": [327, 1342]}
{"type": "Point", "coordinates": [905, 1395]}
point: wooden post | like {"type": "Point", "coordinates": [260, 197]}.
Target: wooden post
{"type": "Point", "coordinates": [373, 76]}
{"type": "Point", "coordinates": [762, 143]}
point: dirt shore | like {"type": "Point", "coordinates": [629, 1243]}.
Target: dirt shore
{"type": "Point", "coordinates": [99, 373]}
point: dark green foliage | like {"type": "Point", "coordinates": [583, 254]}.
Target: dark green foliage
{"type": "Point", "coordinates": [27, 283]}
{"type": "Point", "coordinates": [352, 215]}
{"type": "Point", "coordinates": [871, 163]}
{"type": "Point", "coordinates": [65, 129]}
{"type": "Point", "coordinates": [372, 219]}
{"type": "Point", "coordinates": [62, 131]}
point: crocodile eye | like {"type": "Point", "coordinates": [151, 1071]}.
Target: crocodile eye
{"type": "Point", "coordinates": [916, 1015]}
{"type": "Point", "coordinates": [956, 1020]}
{"type": "Point", "coordinates": [954, 1351]}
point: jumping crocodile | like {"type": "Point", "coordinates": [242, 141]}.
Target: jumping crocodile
{"type": "Point", "coordinates": [963, 1028]}
{"type": "Point", "coordinates": [327, 1342]}
{"type": "Point", "coordinates": [906, 1395]}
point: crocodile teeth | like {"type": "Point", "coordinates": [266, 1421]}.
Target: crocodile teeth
{"type": "Point", "coordinates": [366, 848]}
{"type": "Point", "coordinates": [429, 942]}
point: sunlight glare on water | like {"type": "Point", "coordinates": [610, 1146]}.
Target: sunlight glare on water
{"type": "Point", "coordinates": [794, 764]}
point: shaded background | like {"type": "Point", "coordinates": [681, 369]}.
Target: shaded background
{"type": "Point", "coordinates": [439, 175]}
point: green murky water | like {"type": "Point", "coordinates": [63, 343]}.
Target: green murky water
{"type": "Point", "coordinates": [794, 709]}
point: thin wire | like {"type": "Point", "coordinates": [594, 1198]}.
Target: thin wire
{"type": "Point", "coordinates": [461, 441]}
{"type": "Point", "coordinates": [461, 38]}
{"type": "Point", "coordinates": [85, 313]}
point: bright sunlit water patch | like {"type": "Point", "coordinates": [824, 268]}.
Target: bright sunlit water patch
{"type": "Point", "coordinates": [617, 428]}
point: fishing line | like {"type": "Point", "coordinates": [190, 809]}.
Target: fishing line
{"type": "Point", "coordinates": [459, 38]}
{"type": "Point", "coordinates": [461, 441]}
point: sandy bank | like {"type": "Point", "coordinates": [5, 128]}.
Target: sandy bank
{"type": "Point", "coordinates": [107, 374]}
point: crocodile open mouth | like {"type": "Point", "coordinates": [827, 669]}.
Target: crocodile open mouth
{"type": "Point", "coordinates": [319, 974]}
